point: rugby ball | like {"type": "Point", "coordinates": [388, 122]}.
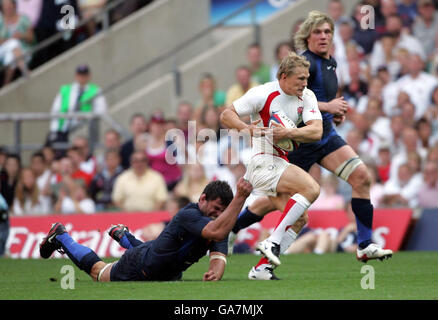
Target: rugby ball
{"type": "Point", "coordinates": [281, 118]}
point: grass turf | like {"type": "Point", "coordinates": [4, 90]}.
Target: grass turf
{"type": "Point", "coordinates": [408, 275]}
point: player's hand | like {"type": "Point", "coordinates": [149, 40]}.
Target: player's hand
{"type": "Point", "coordinates": [210, 276]}
{"type": "Point", "coordinates": [338, 106]}
{"type": "Point", "coordinates": [279, 132]}
{"type": "Point", "coordinates": [257, 131]}
{"type": "Point", "coordinates": [244, 188]}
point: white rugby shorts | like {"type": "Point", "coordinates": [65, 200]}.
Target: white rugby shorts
{"type": "Point", "coordinates": [264, 172]}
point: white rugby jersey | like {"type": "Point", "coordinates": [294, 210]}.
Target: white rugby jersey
{"type": "Point", "coordinates": [262, 101]}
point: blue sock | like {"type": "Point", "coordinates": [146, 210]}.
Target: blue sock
{"type": "Point", "coordinates": [128, 241]}
{"type": "Point", "coordinates": [363, 210]}
{"type": "Point", "coordinates": [245, 219]}
{"type": "Point", "coordinates": [82, 256]}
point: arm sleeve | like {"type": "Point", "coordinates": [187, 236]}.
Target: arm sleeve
{"type": "Point", "coordinates": [56, 108]}
{"type": "Point", "coordinates": [221, 246]}
{"type": "Point", "coordinates": [193, 221]}
{"type": "Point", "coordinates": [311, 110]}
{"type": "Point", "coordinates": [251, 102]}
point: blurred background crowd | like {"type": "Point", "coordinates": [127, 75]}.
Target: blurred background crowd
{"type": "Point", "coordinates": [388, 75]}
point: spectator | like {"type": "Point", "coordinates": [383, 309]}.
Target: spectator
{"type": "Point", "coordinates": [242, 85]}
{"type": "Point", "coordinates": [427, 137]}
{"type": "Point", "coordinates": [383, 163]}
{"type": "Point", "coordinates": [3, 156]}
{"type": "Point", "coordinates": [432, 154]}
{"type": "Point", "coordinates": [397, 128]}
{"type": "Point", "coordinates": [328, 198]}
{"type": "Point", "coordinates": [4, 224]}
{"type": "Point", "coordinates": [80, 96]}
{"type": "Point", "coordinates": [356, 87]}
{"type": "Point", "coordinates": [28, 199]}
{"type": "Point", "coordinates": [111, 141]}
{"type": "Point", "coordinates": [260, 72]}
{"type": "Point", "coordinates": [75, 154]}
{"type": "Point", "coordinates": [427, 195]}
{"type": "Point", "coordinates": [31, 9]}
{"type": "Point", "coordinates": [211, 121]}
{"type": "Point", "coordinates": [281, 50]}
{"type": "Point", "coordinates": [39, 168]}
{"type": "Point", "coordinates": [49, 155]}
{"type": "Point", "coordinates": [138, 126]}
{"type": "Point", "coordinates": [402, 191]}
{"type": "Point", "coordinates": [9, 178]}
{"type": "Point", "coordinates": [88, 162]}
{"type": "Point", "coordinates": [49, 24]}
{"type": "Point", "coordinates": [192, 183]}
{"type": "Point", "coordinates": [16, 39]}
{"type": "Point", "coordinates": [89, 9]}
{"type": "Point", "coordinates": [65, 174]}
{"type": "Point", "coordinates": [387, 8]}
{"type": "Point", "coordinates": [211, 97]}
{"type": "Point", "coordinates": [425, 26]}
{"type": "Point", "coordinates": [139, 188]}
{"type": "Point", "coordinates": [364, 37]}
{"type": "Point", "coordinates": [410, 144]}
{"type": "Point", "coordinates": [418, 85]}
{"type": "Point", "coordinates": [156, 151]}
{"type": "Point", "coordinates": [407, 10]}
{"type": "Point", "coordinates": [431, 113]}
{"type": "Point", "coordinates": [102, 185]}
{"type": "Point", "coordinates": [401, 40]}
{"type": "Point", "coordinates": [374, 91]}
{"type": "Point", "coordinates": [184, 115]}
{"type": "Point", "coordinates": [344, 41]}
{"type": "Point", "coordinates": [74, 200]}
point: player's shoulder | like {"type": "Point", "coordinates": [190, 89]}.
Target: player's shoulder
{"type": "Point", "coordinates": [190, 210]}
{"type": "Point", "coordinates": [308, 94]}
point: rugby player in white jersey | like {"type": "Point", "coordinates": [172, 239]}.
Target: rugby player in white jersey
{"type": "Point", "coordinates": [291, 189]}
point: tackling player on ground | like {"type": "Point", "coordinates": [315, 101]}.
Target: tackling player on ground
{"type": "Point", "coordinates": [193, 231]}
{"type": "Point", "coordinates": [315, 37]}
{"type": "Point", "coordinates": [289, 188]}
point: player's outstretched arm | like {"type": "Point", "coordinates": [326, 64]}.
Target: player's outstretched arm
{"type": "Point", "coordinates": [219, 228]}
{"type": "Point", "coordinates": [217, 267]}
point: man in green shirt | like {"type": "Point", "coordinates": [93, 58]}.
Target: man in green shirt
{"type": "Point", "coordinates": [79, 96]}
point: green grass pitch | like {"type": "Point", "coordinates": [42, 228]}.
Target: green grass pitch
{"type": "Point", "coordinates": [408, 275]}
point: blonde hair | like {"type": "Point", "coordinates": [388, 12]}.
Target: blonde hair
{"type": "Point", "coordinates": [290, 62]}
{"type": "Point", "coordinates": [314, 19]}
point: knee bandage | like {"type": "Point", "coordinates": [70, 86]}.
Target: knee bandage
{"type": "Point", "coordinates": [347, 167]}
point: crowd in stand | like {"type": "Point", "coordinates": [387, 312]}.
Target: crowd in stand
{"type": "Point", "coordinates": [387, 74]}
{"type": "Point", "coordinates": [26, 23]}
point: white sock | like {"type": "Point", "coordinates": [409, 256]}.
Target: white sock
{"type": "Point", "coordinates": [293, 214]}
{"type": "Point", "coordinates": [288, 238]}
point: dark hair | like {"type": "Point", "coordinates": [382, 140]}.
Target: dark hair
{"type": "Point", "coordinates": [14, 156]}
{"type": "Point", "coordinates": [218, 189]}
{"type": "Point", "coordinates": [38, 154]}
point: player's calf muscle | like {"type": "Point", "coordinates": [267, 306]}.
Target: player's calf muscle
{"type": "Point", "coordinates": [360, 181]}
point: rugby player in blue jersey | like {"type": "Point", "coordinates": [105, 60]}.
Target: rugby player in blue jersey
{"type": "Point", "coordinates": [196, 229]}
{"type": "Point", "coordinates": [315, 39]}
